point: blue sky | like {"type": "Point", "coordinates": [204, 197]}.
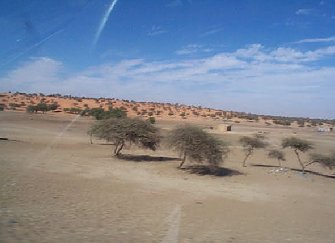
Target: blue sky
{"type": "Point", "coordinates": [259, 56]}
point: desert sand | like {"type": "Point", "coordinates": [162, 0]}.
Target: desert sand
{"type": "Point", "coordinates": [57, 187]}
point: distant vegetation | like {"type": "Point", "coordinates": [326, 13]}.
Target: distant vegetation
{"type": "Point", "coordinates": [101, 114]}
{"type": "Point", "coordinates": [282, 122]}
{"type": "Point", "coordinates": [11, 101]}
{"type": "Point", "coordinates": [43, 107]}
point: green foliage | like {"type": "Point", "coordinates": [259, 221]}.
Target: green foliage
{"type": "Point", "coordinates": [31, 108]}
{"type": "Point", "coordinates": [282, 122]}
{"type": "Point", "coordinates": [251, 117]}
{"type": "Point", "coordinates": [42, 107]}
{"type": "Point", "coordinates": [197, 145]}
{"type": "Point", "coordinates": [297, 144]}
{"type": "Point", "coordinates": [73, 110]}
{"type": "Point", "coordinates": [324, 160]}
{"type": "Point", "coordinates": [152, 120]}
{"type": "Point", "coordinates": [249, 144]}
{"type": "Point", "coordinates": [126, 130]}
{"type": "Point", "coordinates": [101, 114]}
{"type": "Point", "coordinates": [52, 107]}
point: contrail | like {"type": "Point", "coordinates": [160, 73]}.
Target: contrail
{"type": "Point", "coordinates": [103, 23]}
{"type": "Point", "coordinates": [42, 154]}
{"type": "Point", "coordinates": [37, 44]}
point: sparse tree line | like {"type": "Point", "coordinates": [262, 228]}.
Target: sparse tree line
{"type": "Point", "coordinates": [43, 107]}
{"type": "Point", "coordinates": [297, 145]}
{"type": "Point", "coordinates": [194, 144]}
{"type": "Point", "coordinates": [194, 110]}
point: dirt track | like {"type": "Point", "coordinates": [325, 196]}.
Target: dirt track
{"type": "Point", "coordinates": [56, 187]}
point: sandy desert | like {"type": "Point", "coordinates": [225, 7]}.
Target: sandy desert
{"type": "Point", "coordinates": [57, 187]}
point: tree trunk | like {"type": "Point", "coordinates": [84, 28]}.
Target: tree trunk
{"type": "Point", "coordinates": [245, 159]}
{"type": "Point", "coordinates": [116, 148]}
{"type": "Point", "coordinates": [183, 161]}
{"type": "Point", "coordinates": [91, 138]}
{"type": "Point", "coordinates": [301, 164]}
{"type": "Point", "coordinates": [119, 149]}
{"type": "Point", "coordinates": [309, 163]}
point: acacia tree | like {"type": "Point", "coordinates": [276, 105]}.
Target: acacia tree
{"type": "Point", "coordinates": [120, 131]}
{"type": "Point", "coordinates": [249, 145]}
{"type": "Point", "coordinates": [298, 145]}
{"type": "Point", "coordinates": [324, 160]}
{"type": "Point", "coordinates": [195, 144]}
{"type": "Point", "coordinates": [278, 155]}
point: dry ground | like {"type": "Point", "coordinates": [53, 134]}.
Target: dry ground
{"type": "Point", "coordinates": [57, 187]}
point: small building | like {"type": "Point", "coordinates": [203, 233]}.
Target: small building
{"type": "Point", "coordinates": [224, 128]}
{"type": "Point", "coordinates": [324, 129]}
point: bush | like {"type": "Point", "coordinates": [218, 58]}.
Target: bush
{"type": "Point", "coordinates": [152, 120]}
{"type": "Point", "coordinates": [126, 130]}
{"type": "Point", "coordinates": [197, 145]}
{"type": "Point", "coordinates": [31, 108]}
{"type": "Point", "coordinates": [282, 122]}
{"type": "Point", "coordinates": [73, 110]}
{"type": "Point", "coordinates": [301, 123]}
{"type": "Point", "coordinates": [278, 155]}
{"type": "Point", "coordinates": [101, 114]}
{"type": "Point", "coordinates": [53, 106]}
{"type": "Point", "coordinates": [249, 144]}
{"type": "Point", "coordinates": [42, 107]}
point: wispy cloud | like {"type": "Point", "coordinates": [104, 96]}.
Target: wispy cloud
{"type": "Point", "coordinates": [156, 30]}
{"type": "Point", "coordinates": [316, 40]}
{"type": "Point", "coordinates": [253, 78]}
{"type": "Point", "coordinates": [304, 11]}
{"type": "Point", "coordinates": [192, 49]}
{"type": "Point", "coordinates": [212, 31]}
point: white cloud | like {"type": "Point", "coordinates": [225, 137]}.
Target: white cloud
{"type": "Point", "coordinates": [212, 31]}
{"type": "Point", "coordinates": [156, 30]}
{"type": "Point", "coordinates": [33, 75]}
{"type": "Point", "coordinates": [192, 49]}
{"type": "Point", "coordinates": [253, 79]}
{"type": "Point", "coordinates": [304, 11]}
{"type": "Point", "coordinates": [316, 40]}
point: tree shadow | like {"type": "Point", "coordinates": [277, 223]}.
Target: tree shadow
{"type": "Point", "coordinates": [148, 158]}
{"type": "Point", "coordinates": [8, 139]}
{"type": "Point", "coordinates": [298, 170]}
{"type": "Point", "coordinates": [209, 170]}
